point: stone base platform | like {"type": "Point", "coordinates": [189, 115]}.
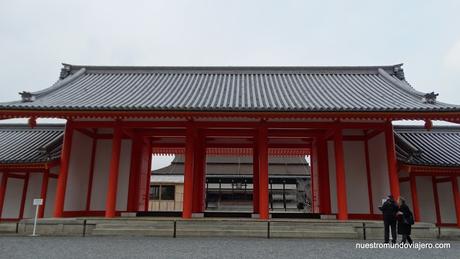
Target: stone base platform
{"type": "Point", "coordinates": [218, 227]}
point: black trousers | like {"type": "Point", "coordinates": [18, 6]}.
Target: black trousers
{"type": "Point", "coordinates": [387, 224]}
{"type": "Point", "coordinates": [406, 238]}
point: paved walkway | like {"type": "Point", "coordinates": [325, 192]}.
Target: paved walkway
{"type": "Point", "coordinates": [146, 247]}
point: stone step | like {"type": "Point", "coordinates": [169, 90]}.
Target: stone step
{"type": "Point", "coordinates": [220, 233]}
{"type": "Point", "coordinates": [315, 234]}
{"type": "Point", "coordinates": [132, 232]}
{"type": "Point", "coordinates": [8, 228]}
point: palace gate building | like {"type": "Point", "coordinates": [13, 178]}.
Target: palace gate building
{"type": "Point", "coordinates": [341, 117]}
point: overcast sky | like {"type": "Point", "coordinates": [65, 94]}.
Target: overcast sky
{"type": "Point", "coordinates": [37, 36]}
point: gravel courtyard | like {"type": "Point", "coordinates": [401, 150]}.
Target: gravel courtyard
{"type": "Point", "coordinates": [150, 247]}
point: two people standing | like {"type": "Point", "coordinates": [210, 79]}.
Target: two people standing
{"type": "Point", "coordinates": [397, 212]}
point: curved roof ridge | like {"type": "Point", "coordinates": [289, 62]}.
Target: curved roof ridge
{"type": "Point", "coordinates": [401, 84]}
{"type": "Point", "coordinates": [60, 83]}
{"type": "Point", "coordinates": [236, 69]}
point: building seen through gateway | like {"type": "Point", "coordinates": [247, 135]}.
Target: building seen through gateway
{"type": "Point", "coordinates": [229, 185]}
{"type": "Point", "coordinates": [240, 136]}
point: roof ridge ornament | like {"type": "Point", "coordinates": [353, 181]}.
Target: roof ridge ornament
{"type": "Point", "coordinates": [65, 71]}
{"type": "Point", "coordinates": [27, 97]}
{"type": "Point", "coordinates": [430, 97]}
{"type": "Point", "coordinates": [399, 72]}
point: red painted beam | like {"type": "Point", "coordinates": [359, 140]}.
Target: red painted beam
{"type": "Point", "coordinates": [404, 179]}
{"type": "Point", "coordinates": [64, 170]}
{"type": "Point", "coordinates": [448, 116]}
{"type": "Point", "coordinates": [86, 132]}
{"type": "Point", "coordinates": [162, 132]}
{"type": "Point", "coordinates": [237, 125]}
{"type": "Point", "coordinates": [443, 180]}
{"type": "Point", "coordinates": [229, 132]}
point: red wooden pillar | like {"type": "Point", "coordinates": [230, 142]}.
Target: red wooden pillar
{"type": "Point", "coordinates": [134, 173]}
{"type": "Point", "coordinates": [414, 196]}
{"type": "Point", "coordinates": [3, 191]}
{"type": "Point", "coordinates": [342, 213]}
{"type": "Point", "coordinates": [368, 177]}
{"type": "Point", "coordinates": [263, 172]}
{"type": "Point", "coordinates": [199, 175]}
{"type": "Point", "coordinates": [24, 195]}
{"type": "Point", "coordinates": [148, 176]}
{"type": "Point", "coordinates": [188, 173]}
{"type": "Point", "coordinates": [43, 192]}
{"type": "Point", "coordinates": [255, 179]}
{"type": "Point", "coordinates": [91, 174]}
{"type": "Point", "coordinates": [436, 200]}
{"type": "Point", "coordinates": [312, 179]}
{"type": "Point", "coordinates": [64, 170]}
{"type": "Point", "coordinates": [111, 203]}
{"type": "Point", "coordinates": [323, 175]}
{"type": "Point", "coordinates": [456, 198]}
{"type": "Point", "coordinates": [391, 158]}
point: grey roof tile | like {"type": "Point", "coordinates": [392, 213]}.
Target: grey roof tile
{"type": "Point", "coordinates": [241, 165]}
{"type": "Point", "coordinates": [231, 89]}
{"type": "Point", "coordinates": [438, 147]}
{"type": "Point", "coordinates": [21, 144]}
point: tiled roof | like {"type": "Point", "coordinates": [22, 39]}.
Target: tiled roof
{"type": "Point", "coordinates": [241, 166]}
{"type": "Point", "coordinates": [438, 147]}
{"type": "Point", "coordinates": [377, 88]}
{"type": "Point", "coordinates": [21, 144]}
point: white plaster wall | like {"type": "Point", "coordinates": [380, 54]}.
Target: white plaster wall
{"type": "Point", "coordinates": [77, 181]}
{"type": "Point", "coordinates": [404, 188]}
{"type": "Point", "coordinates": [425, 198]}
{"type": "Point", "coordinates": [50, 197]}
{"type": "Point", "coordinates": [33, 192]}
{"type": "Point", "coordinates": [101, 174]}
{"type": "Point", "coordinates": [356, 177]}
{"type": "Point", "coordinates": [55, 170]}
{"type": "Point", "coordinates": [446, 203]}
{"type": "Point", "coordinates": [332, 176]}
{"type": "Point", "coordinates": [123, 175]}
{"type": "Point", "coordinates": [13, 196]}
{"type": "Point", "coordinates": [379, 170]}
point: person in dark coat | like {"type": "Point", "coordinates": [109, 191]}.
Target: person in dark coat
{"type": "Point", "coordinates": [405, 220]}
{"type": "Point", "coordinates": [389, 209]}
